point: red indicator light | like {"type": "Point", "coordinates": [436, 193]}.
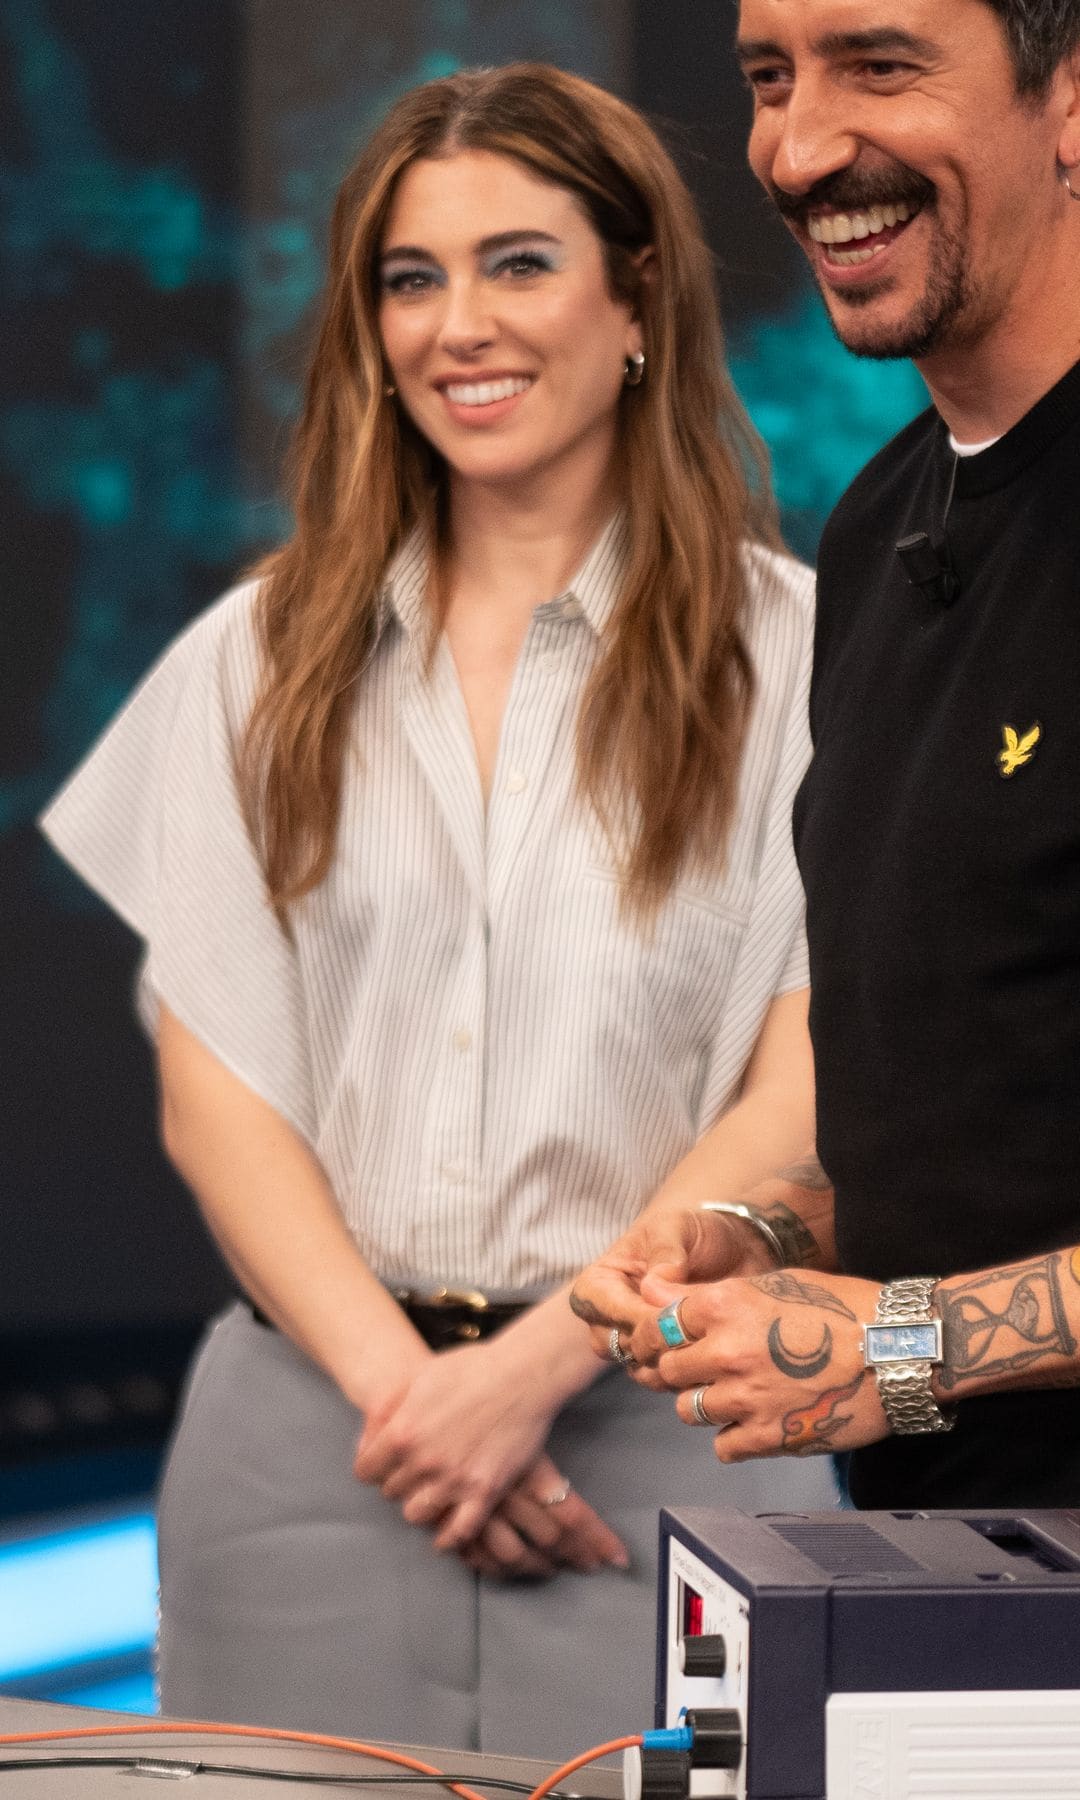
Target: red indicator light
{"type": "Point", "coordinates": [693, 1613]}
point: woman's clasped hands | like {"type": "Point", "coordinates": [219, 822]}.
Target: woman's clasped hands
{"type": "Point", "coordinates": [460, 1450]}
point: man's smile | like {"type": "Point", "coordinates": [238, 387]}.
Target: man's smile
{"type": "Point", "coordinates": [869, 230]}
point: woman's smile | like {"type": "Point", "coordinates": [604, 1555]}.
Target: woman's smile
{"type": "Point", "coordinates": [503, 339]}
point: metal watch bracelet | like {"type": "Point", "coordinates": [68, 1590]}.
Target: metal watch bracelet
{"type": "Point", "coordinates": [904, 1384]}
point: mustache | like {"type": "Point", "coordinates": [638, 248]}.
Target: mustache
{"type": "Point", "coordinates": [854, 190]}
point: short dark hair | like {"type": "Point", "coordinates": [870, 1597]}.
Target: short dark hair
{"type": "Point", "coordinates": [1041, 33]}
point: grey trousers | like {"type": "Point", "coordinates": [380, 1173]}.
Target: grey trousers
{"type": "Point", "coordinates": [293, 1596]}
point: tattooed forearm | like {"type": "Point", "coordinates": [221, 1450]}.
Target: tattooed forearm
{"type": "Point", "coordinates": [798, 1242]}
{"type": "Point", "coordinates": [807, 1173]}
{"type": "Point", "coordinates": [786, 1286]}
{"type": "Point", "coordinates": [801, 1366]}
{"type": "Point", "coordinates": [810, 1429]}
{"type": "Point", "coordinates": [1003, 1322]}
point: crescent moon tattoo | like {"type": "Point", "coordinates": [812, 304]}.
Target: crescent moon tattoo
{"type": "Point", "coordinates": [800, 1368]}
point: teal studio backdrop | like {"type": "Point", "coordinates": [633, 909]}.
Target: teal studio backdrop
{"type": "Point", "coordinates": [165, 176]}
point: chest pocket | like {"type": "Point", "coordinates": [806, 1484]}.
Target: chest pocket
{"type": "Point", "coordinates": [678, 970]}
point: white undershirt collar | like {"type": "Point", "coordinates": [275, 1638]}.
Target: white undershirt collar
{"type": "Point", "coordinates": [972, 449]}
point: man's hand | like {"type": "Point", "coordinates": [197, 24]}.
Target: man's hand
{"type": "Point", "coordinates": [678, 1245]}
{"type": "Point", "coordinates": [779, 1357]}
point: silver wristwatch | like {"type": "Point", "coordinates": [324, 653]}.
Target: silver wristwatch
{"type": "Point", "coordinates": [903, 1346]}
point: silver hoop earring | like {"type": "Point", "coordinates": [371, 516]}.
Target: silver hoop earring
{"type": "Point", "coordinates": [1067, 185]}
{"type": "Point", "coordinates": [635, 369]}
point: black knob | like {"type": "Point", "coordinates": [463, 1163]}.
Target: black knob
{"type": "Point", "coordinates": [718, 1742]}
{"type": "Point", "coordinates": [665, 1775]}
{"type": "Point", "coordinates": [703, 1656]}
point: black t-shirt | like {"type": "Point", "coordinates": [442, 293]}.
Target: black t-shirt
{"type": "Point", "coordinates": [944, 904]}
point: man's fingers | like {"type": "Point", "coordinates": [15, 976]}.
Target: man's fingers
{"type": "Point", "coordinates": [659, 1290]}
{"type": "Point", "coordinates": [674, 1274]}
{"type": "Point", "coordinates": [646, 1376]}
{"type": "Point", "coordinates": [691, 1312]}
{"type": "Point", "coordinates": [605, 1297]}
{"type": "Point", "coordinates": [705, 1406]}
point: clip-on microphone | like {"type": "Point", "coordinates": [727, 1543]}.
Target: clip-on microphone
{"type": "Point", "coordinates": [928, 566]}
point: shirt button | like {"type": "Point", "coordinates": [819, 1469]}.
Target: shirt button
{"type": "Point", "coordinates": [570, 608]}
{"type": "Point", "coordinates": [549, 662]}
{"type": "Point", "coordinates": [453, 1173]}
{"type": "Point", "coordinates": [516, 782]}
{"type": "Point", "coordinates": [463, 1039]}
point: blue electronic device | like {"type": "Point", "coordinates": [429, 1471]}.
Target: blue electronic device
{"type": "Point", "coordinates": [874, 1656]}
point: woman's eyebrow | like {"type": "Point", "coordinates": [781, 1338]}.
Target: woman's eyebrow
{"type": "Point", "coordinates": [411, 252]}
{"type": "Point", "coordinates": [500, 239]}
{"type": "Point", "coordinates": [496, 241]}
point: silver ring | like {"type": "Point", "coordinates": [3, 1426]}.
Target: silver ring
{"type": "Point", "coordinates": [559, 1496]}
{"type": "Point", "coordinates": [697, 1404]}
{"type": "Point", "coordinates": [615, 1351]}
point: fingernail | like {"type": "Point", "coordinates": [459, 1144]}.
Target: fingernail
{"type": "Point", "coordinates": [620, 1559]}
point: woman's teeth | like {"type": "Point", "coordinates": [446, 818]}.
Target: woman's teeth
{"type": "Point", "coordinates": [485, 393]}
{"type": "Point", "coordinates": [833, 229]}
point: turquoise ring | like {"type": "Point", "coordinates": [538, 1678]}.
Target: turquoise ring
{"type": "Point", "coordinates": [671, 1327]}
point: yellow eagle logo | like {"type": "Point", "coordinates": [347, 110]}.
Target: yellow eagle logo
{"type": "Point", "coordinates": [1018, 750]}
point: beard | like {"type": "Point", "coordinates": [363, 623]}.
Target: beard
{"type": "Point", "coordinates": [936, 317]}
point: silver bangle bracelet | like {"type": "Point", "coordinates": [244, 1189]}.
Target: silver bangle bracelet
{"type": "Point", "coordinates": [753, 1217]}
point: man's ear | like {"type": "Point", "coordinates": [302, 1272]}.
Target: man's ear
{"type": "Point", "coordinates": [1069, 137]}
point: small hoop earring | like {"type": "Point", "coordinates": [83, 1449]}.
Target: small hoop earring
{"type": "Point", "coordinates": [1067, 185]}
{"type": "Point", "coordinates": [635, 369]}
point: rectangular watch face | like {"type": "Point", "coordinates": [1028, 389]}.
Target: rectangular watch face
{"type": "Point", "coordinates": [904, 1343]}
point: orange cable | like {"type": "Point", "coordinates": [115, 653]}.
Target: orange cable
{"type": "Point", "coordinates": [206, 1728]}
{"type": "Point", "coordinates": [578, 1762]}
{"type": "Point", "coordinates": [197, 1728]}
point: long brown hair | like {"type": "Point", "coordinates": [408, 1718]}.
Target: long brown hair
{"type": "Point", "coordinates": [663, 717]}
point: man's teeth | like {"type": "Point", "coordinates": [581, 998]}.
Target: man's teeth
{"type": "Point", "coordinates": [841, 228]}
{"type": "Point", "coordinates": [485, 393]}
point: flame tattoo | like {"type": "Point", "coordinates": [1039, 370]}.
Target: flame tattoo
{"type": "Point", "coordinates": [813, 1428]}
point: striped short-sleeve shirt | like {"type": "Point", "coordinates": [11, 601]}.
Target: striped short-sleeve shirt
{"type": "Point", "coordinates": [494, 1067]}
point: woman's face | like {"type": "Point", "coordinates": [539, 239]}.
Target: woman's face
{"type": "Point", "coordinates": [506, 347]}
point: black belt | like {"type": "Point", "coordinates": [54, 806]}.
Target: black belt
{"type": "Point", "coordinates": [446, 1317]}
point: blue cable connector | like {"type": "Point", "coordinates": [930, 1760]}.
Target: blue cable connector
{"type": "Point", "coordinates": [673, 1737]}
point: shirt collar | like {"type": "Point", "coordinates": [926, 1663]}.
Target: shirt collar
{"type": "Point", "coordinates": [593, 589]}
{"type": "Point", "coordinates": [404, 591]}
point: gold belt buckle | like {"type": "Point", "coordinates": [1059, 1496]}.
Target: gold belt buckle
{"type": "Point", "coordinates": [468, 1298]}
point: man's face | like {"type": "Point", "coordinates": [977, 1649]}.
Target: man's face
{"type": "Point", "coordinates": [920, 185]}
